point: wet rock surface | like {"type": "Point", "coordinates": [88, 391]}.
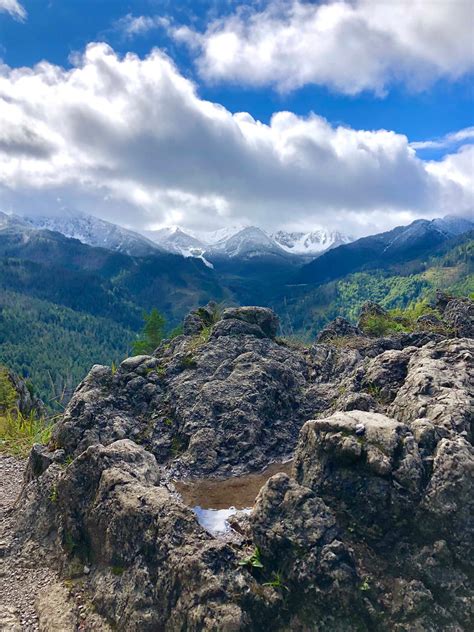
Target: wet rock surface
{"type": "Point", "coordinates": [372, 529]}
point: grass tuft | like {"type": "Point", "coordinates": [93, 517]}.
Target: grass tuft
{"type": "Point", "coordinates": [18, 432]}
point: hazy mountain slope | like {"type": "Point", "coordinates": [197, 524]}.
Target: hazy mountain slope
{"type": "Point", "coordinates": [95, 232]}
{"type": "Point", "coordinates": [401, 244]}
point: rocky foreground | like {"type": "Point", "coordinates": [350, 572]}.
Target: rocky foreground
{"type": "Point", "coordinates": [373, 531]}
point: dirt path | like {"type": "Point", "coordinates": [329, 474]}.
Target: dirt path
{"type": "Point", "coordinates": [19, 584]}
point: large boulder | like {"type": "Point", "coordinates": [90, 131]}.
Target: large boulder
{"type": "Point", "coordinates": [260, 316]}
{"type": "Point", "coordinates": [150, 565]}
{"type": "Point", "coordinates": [300, 544]}
{"type": "Point", "coordinates": [439, 387]}
{"type": "Point", "coordinates": [339, 327]}
{"type": "Point", "coordinates": [459, 316]}
{"type": "Point", "coordinates": [373, 532]}
{"type": "Point", "coordinates": [221, 403]}
{"type": "Point", "coordinates": [365, 464]}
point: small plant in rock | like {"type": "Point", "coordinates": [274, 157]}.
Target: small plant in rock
{"type": "Point", "coordinates": [68, 542]}
{"type": "Point", "coordinates": [113, 368]}
{"type": "Point", "coordinates": [160, 371]}
{"type": "Point", "coordinates": [276, 582]}
{"type": "Point", "coordinates": [189, 361]}
{"type": "Point", "coordinates": [118, 570]}
{"type": "Point", "coordinates": [67, 461]}
{"type": "Point", "coordinates": [178, 446]}
{"type": "Point", "coordinates": [374, 390]}
{"type": "Point", "coordinates": [53, 497]}
{"type": "Point", "coordinates": [253, 560]}
{"type": "Point", "coordinates": [365, 585]}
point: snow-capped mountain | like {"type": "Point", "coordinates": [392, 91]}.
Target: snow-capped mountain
{"type": "Point", "coordinates": [210, 238]}
{"type": "Point", "coordinates": [174, 240]}
{"type": "Point", "coordinates": [95, 232]}
{"type": "Point", "coordinates": [312, 243]}
{"type": "Point", "coordinates": [246, 242]}
{"type": "Point", "coordinates": [12, 222]}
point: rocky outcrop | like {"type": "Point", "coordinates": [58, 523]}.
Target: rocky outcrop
{"type": "Point", "coordinates": [439, 388]}
{"type": "Point", "coordinates": [366, 464]}
{"type": "Point", "coordinates": [232, 401]}
{"type": "Point", "coordinates": [23, 400]}
{"type": "Point", "coordinates": [372, 532]}
{"type": "Point", "coordinates": [339, 327]}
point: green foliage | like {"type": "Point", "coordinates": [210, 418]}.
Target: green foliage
{"type": "Point", "coordinates": [200, 339]}
{"type": "Point", "coordinates": [152, 333]}
{"type": "Point", "coordinates": [276, 582]}
{"type": "Point", "coordinates": [379, 325]}
{"type": "Point", "coordinates": [253, 560]}
{"type": "Point", "coordinates": [307, 309]}
{"type": "Point", "coordinates": [177, 331]}
{"type": "Point", "coordinates": [18, 433]}
{"type": "Point", "coordinates": [53, 497]}
{"type": "Point", "coordinates": [54, 347]}
{"type": "Point", "coordinates": [402, 320]}
{"type": "Point", "coordinates": [8, 393]}
{"type": "Point", "coordinates": [365, 585]}
{"type": "Point", "coordinates": [188, 361]}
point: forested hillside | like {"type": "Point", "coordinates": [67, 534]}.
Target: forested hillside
{"type": "Point", "coordinates": [305, 310]}
{"type": "Point", "coordinates": [54, 346]}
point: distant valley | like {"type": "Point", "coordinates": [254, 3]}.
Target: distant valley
{"type": "Point", "coordinates": [88, 281]}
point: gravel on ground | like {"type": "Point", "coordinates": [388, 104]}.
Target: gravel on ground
{"type": "Point", "coordinates": [19, 583]}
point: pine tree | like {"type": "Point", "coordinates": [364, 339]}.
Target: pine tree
{"type": "Point", "coordinates": [152, 333]}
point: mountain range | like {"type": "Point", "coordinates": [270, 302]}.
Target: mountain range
{"type": "Point", "coordinates": [235, 241]}
{"type": "Point", "coordinates": [86, 282]}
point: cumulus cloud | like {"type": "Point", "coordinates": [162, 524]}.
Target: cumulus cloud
{"type": "Point", "coordinates": [348, 45]}
{"type": "Point", "coordinates": [130, 140]}
{"type": "Point", "coordinates": [14, 8]}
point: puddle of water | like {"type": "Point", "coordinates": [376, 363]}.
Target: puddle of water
{"type": "Point", "coordinates": [216, 520]}
{"type": "Point", "coordinates": [215, 500]}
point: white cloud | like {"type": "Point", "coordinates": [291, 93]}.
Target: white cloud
{"type": "Point", "coordinates": [132, 25]}
{"type": "Point", "coordinates": [130, 140]}
{"type": "Point", "coordinates": [347, 45]}
{"type": "Point", "coordinates": [14, 8]}
{"type": "Point", "coordinates": [455, 172]}
{"type": "Point", "coordinates": [449, 140]}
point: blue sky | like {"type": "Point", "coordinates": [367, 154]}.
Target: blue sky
{"type": "Point", "coordinates": [423, 91]}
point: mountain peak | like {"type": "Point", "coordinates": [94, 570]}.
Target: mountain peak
{"type": "Point", "coordinates": [93, 231]}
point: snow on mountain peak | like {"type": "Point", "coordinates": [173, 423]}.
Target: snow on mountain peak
{"type": "Point", "coordinates": [311, 243]}
{"type": "Point", "coordinates": [94, 232]}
